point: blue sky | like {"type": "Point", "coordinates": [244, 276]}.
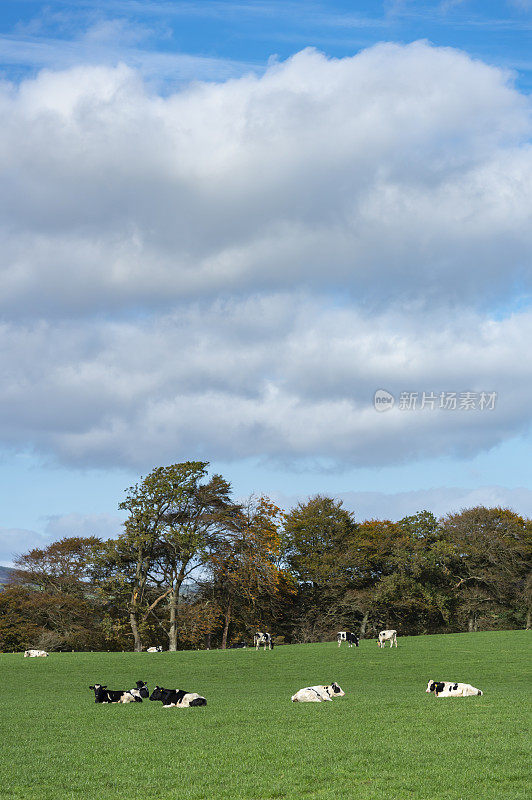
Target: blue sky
{"type": "Point", "coordinates": [226, 224]}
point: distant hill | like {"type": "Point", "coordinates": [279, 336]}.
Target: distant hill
{"type": "Point", "coordinates": [5, 572]}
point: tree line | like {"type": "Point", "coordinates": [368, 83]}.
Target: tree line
{"type": "Point", "coordinates": [192, 568]}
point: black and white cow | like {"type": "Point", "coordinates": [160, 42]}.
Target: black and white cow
{"type": "Point", "coordinates": [239, 646]}
{"type": "Point", "coordinates": [387, 636]}
{"type": "Point", "coordinates": [177, 698]}
{"type": "Point", "coordinates": [104, 695]}
{"type": "Point", "coordinates": [157, 649]}
{"type": "Point", "coordinates": [347, 636]}
{"type": "Point", "coordinates": [317, 694]}
{"type": "Point", "coordinates": [35, 654]}
{"type": "Point", "coordinates": [263, 638]}
{"type": "Point", "coordinates": [140, 691]}
{"type": "Point", "coordinates": [450, 689]}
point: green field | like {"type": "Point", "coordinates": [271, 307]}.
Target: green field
{"type": "Point", "coordinates": [386, 738]}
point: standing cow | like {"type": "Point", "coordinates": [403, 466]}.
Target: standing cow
{"type": "Point", "coordinates": [387, 636]}
{"type": "Point", "coordinates": [347, 636]}
{"type": "Point", "coordinates": [263, 638]}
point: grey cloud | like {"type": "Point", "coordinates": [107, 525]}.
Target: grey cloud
{"type": "Point", "coordinates": [283, 377]}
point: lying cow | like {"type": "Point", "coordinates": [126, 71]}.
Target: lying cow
{"type": "Point", "coordinates": [263, 638]}
{"type": "Point", "coordinates": [347, 636]}
{"type": "Point", "coordinates": [317, 694]}
{"type": "Point", "coordinates": [177, 698]}
{"type": "Point", "coordinates": [35, 654]}
{"type": "Point", "coordinates": [450, 689]}
{"type": "Point", "coordinates": [140, 691]}
{"type": "Point", "coordinates": [157, 649]}
{"type": "Point", "coordinates": [387, 636]}
{"type": "Point", "coordinates": [104, 695]}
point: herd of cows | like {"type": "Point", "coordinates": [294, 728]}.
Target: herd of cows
{"type": "Point", "coordinates": [178, 698]}
{"type": "Point", "coordinates": [170, 698]}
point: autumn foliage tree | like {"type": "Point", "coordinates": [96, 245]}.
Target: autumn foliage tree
{"type": "Point", "coordinates": [244, 563]}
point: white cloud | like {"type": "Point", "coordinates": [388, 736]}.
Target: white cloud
{"type": "Point", "coordinates": [17, 541]}
{"type": "Point", "coordinates": [232, 270]}
{"type": "Point", "coordinates": [439, 500]}
{"type": "Point", "coordinates": [400, 172]}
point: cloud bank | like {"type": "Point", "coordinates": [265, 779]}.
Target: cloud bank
{"type": "Point", "coordinates": [233, 269]}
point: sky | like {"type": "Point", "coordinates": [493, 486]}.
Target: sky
{"type": "Point", "coordinates": [292, 239]}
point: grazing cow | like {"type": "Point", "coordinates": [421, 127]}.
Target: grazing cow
{"type": "Point", "coordinates": [177, 698]}
{"type": "Point", "coordinates": [104, 695]}
{"type": "Point", "coordinates": [450, 689]}
{"type": "Point", "coordinates": [387, 636]}
{"type": "Point", "coordinates": [35, 654]}
{"type": "Point", "coordinates": [317, 694]}
{"type": "Point", "coordinates": [263, 638]}
{"type": "Point", "coordinates": [157, 649]}
{"type": "Point", "coordinates": [350, 638]}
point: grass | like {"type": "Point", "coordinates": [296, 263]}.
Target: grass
{"type": "Point", "coordinates": [385, 738]}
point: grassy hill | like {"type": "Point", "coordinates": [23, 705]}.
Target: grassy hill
{"type": "Point", "coordinates": [385, 738]}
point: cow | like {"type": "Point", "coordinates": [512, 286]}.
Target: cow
{"type": "Point", "coordinates": [450, 689]}
{"type": "Point", "coordinates": [263, 638]}
{"type": "Point", "coordinates": [239, 646]}
{"type": "Point", "coordinates": [387, 636]}
{"type": "Point", "coordinates": [317, 694]}
{"type": "Point", "coordinates": [177, 698]}
{"type": "Point", "coordinates": [157, 649]}
{"type": "Point", "coordinates": [35, 654]}
{"type": "Point", "coordinates": [104, 695]}
{"type": "Point", "coordinates": [347, 636]}
{"type": "Point", "coordinates": [140, 691]}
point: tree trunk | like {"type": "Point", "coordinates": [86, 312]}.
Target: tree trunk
{"type": "Point", "coordinates": [172, 633]}
{"type": "Point", "coordinates": [136, 635]}
{"type": "Point", "coordinates": [472, 625]}
{"type": "Point", "coordinates": [364, 624]}
{"type": "Point", "coordinates": [529, 619]}
{"type": "Point", "coordinates": [226, 626]}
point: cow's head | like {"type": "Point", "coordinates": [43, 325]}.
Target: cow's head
{"type": "Point", "coordinates": [97, 686]}
{"type": "Point", "coordinates": [435, 686]}
{"type": "Point", "coordinates": [337, 690]}
{"type": "Point", "coordinates": [158, 693]}
{"type": "Point", "coordinates": [142, 689]}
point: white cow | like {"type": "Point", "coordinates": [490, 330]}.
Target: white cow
{"type": "Point", "coordinates": [387, 636]}
{"type": "Point", "coordinates": [450, 689]}
{"type": "Point", "coordinates": [263, 638]}
{"type": "Point", "coordinates": [157, 649]}
{"type": "Point", "coordinates": [35, 654]}
{"type": "Point", "coordinates": [317, 694]}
